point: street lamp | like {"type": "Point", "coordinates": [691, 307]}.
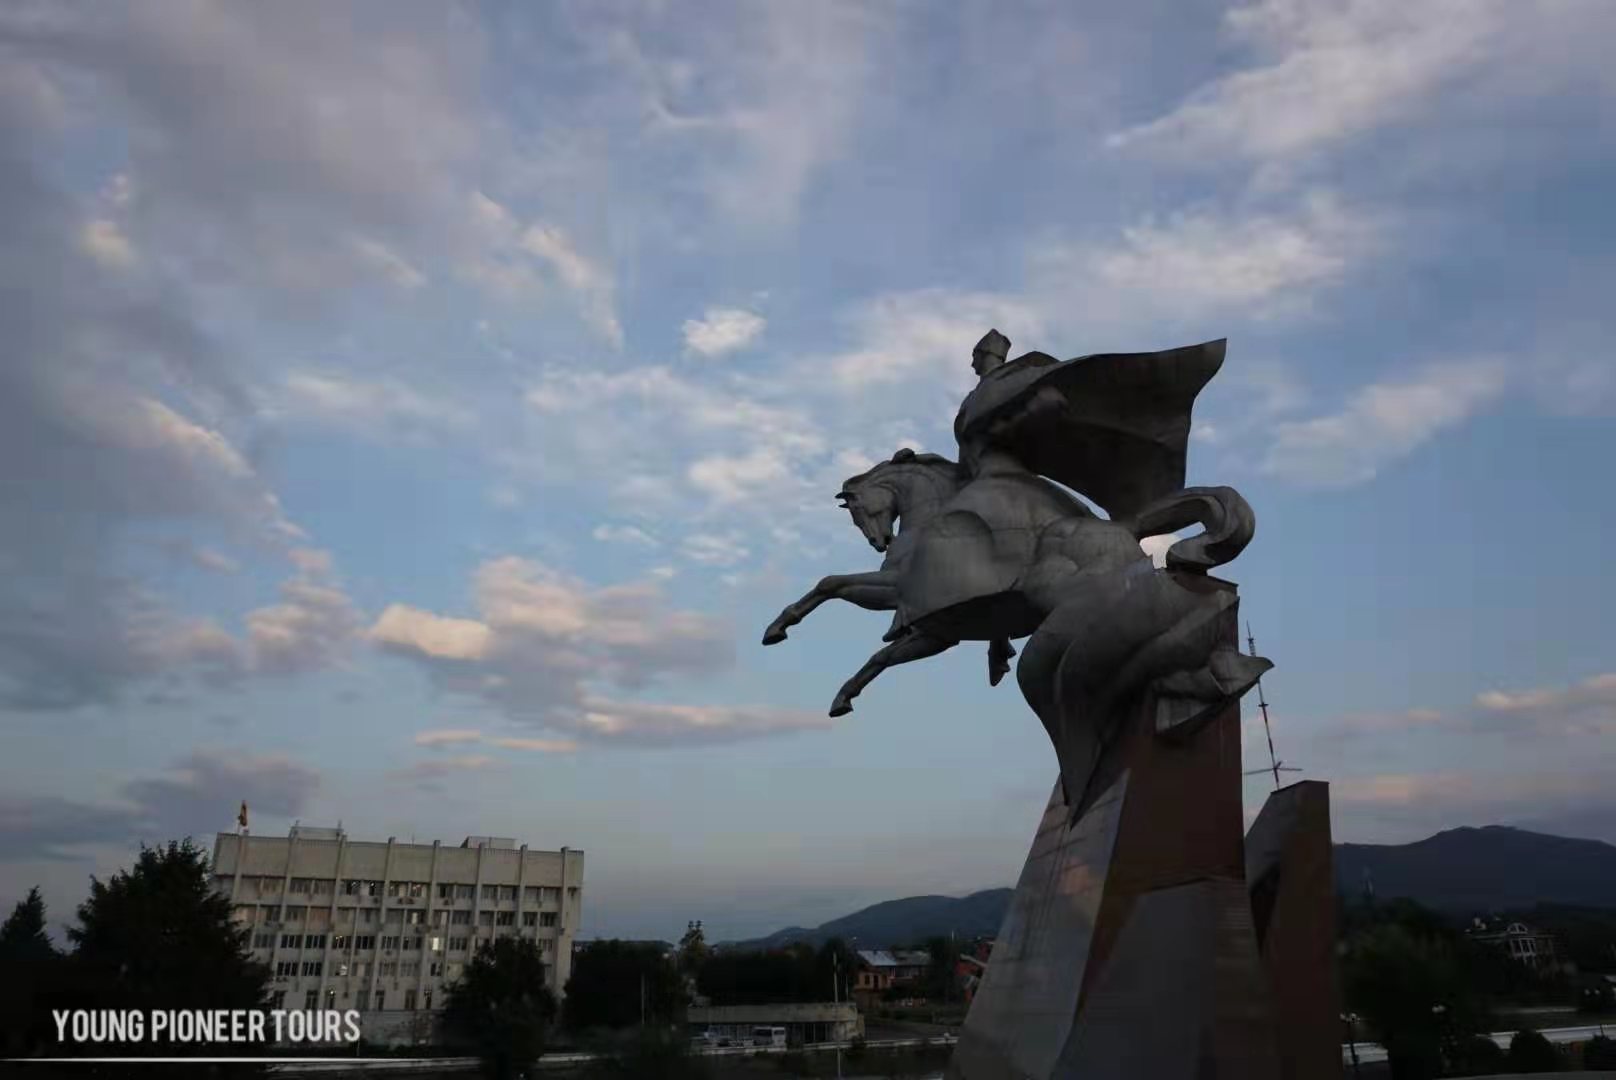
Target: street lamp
{"type": "Point", "coordinates": [1351, 1020]}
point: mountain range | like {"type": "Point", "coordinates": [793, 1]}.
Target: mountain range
{"type": "Point", "coordinates": [1461, 871]}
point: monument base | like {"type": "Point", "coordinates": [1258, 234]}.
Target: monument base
{"type": "Point", "coordinates": [1130, 950]}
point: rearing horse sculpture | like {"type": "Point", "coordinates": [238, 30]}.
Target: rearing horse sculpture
{"type": "Point", "coordinates": [999, 552]}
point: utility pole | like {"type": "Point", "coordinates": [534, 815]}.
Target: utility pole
{"type": "Point", "coordinates": [836, 999]}
{"type": "Point", "coordinates": [1275, 765]}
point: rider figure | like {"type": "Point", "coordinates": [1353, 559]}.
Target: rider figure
{"type": "Point", "coordinates": [980, 450]}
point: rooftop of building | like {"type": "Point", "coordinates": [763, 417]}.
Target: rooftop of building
{"type": "Point", "coordinates": [879, 958]}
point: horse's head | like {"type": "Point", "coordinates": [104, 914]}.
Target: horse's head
{"type": "Point", "coordinates": [879, 498]}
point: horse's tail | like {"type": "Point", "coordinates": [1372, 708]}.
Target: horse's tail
{"type": "Point", "coordinates": [1226, 518]}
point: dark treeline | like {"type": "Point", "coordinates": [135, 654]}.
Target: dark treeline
{"type": "Point", "coordinates": [798, 973]}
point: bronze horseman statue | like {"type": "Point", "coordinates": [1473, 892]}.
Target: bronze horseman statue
{"type": "Point", "coordinates": [1148, 938]}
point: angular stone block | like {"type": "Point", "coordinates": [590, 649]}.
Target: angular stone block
{"type": "Point", "coordinates": [1290, 873]}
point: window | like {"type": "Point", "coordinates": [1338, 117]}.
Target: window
{"type": "Point", "coordinates": [269, 886]}
{"type": "Point", "coordinates": [244, 913]}
{"type": "Point", "coordinates": [485, 918]}
{"type": "Point", "coordinates": [381, 1000]}
{"type": "Point", "coordinates": [428, 1005]}
{"type": "Point", "coordinates": [458, 944]}
{"type": "Point", "coordinates": [412, 944]}
{"type": "Point", "coordinates": [353, 887]}
{"type": "Point", "coordinates": [291, 941]}
{"type": "Point", "coordinates": [416, 890]}
{"type": "Point", "coordinates": [414, 918]}
{"type": "Point", "coordinates": [532, 894]}
{"type": "Point", "coordinates": [436, 944]}
{"type": "Point", "coordinates": [394, 917]}
{"type": "Point", "coordinates": [440, 918]}
{"type": "Point", "coordinates": [364, 943]}
{"type": "Point", "coordinates": [490, 892]}
{"type": "Point", "coordinates": [445, 892]}
{"type": "Point", "coordinates": [296, 914]}
{"type": "Point", "coordinates": [324, 887]}
{"type": "Point", "coordinates": [530, 918]}
{"type": "Point", "coordinates": [409, 969]}
{"type": "Point", "coordinates": [546, 946]}
{"type": "Point", "coordinates": [361, 968]}
{"type": "Point", "coordinates": [311, 1000]}
{"type": "Point", "coordinates": [340, 969]}
{"type": "Point", "coordinates": [548, 918]}
{"type": "Point", "coordinates": [285, 969]}
{"type": "Point", "coordinates": [465, 892]}
{"type": "Point", "coordinates": [505, 918]}
{"type": "Point", "coordinates": [263, 941]}
{"type": "Point", "coordinates": [341, 942]}
{"type": "Point", "coordinates": [330, 999]}
{"type": "Point", "coordinates": [389, 943]}
{"type": "Point", "coordinates": [277, 1000]}
{"type": "Point", "coordinates": [436, 970]}
{"type": "Point", "coordinates": [319, 916]}
{"type": "Point", "coordinates": [312, 967]}
{"type": "Point", "coordinates": [460, 918]}
{"type": "Point", "coordinates": [388, 969]}
{"type": "Point", "coordinates": [314, 941]}
{"type": "Point", "coordinates": [409, 999]}
{"type": "Point", "coordinates": [301, 886]}
{"type": "Point", "coordinates": [452, 971]}
{"type": "Point", "coordinates": [367, 915]}
{"type": "Point", "coordinates": [507, 892]}
{"type": "Point", "coordinates": [395, 888]}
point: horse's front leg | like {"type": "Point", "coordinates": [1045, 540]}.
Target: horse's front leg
{"type": "Point", "coordinates": [873, 591]}
{"type": "Point", "coordinates": [916, 646]}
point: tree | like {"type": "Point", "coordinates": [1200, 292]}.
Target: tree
{"type": "Point", "coordinates": [502, 1006]}
{"type": "Point", "coordinates": [1599, 1054]}
{"type": "Point", "coordinates": [610, 981]}
{"type": "Point", "coordinates": [158, 936]}
{"type": "Point", "coordinates": [693, 951]}
{"type": "Point", "coordinates": [1411, 989]}
{"type": "Point", "coordinates": [941, 983]}
{"type": "Point", "coordinates": [1530, 1052]}
{"type": "Point", "coordinates": [32, 969]}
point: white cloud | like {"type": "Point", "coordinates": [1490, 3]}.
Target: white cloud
{"type": "Point", "coordinates": [546, 643]}
{"type": "Point", "coordinates": [370, 405]}
{"type": "Point", "coordinates": [312, 625]}
{"type": "Point", "coordinates": [448, 737]}
{"type": "Point", "coordinates": [1382, 423]}
{"type": "Point", "coordinates": [904, 337]}
{"type": "Point", "coordinates": [715, 550]}
{"type": "Point", "coordinates": [513, 259]}
{"type": "Point", "coordinates": [410, 629]}
{"type": "Point", "coordinates": [388, 262]}
{"type": "Point", "coordinates": [1257, 260]}
{"type": "Point", "coordinates": [538, 746]}
{"type": "Point", "coordinates": [104, 241]}
{"type": "Point", "coordinates": [624, 534]}
{"type": "Point", "coordinates": [722, 330]}
{"type": "Point", "coordinates": [1328, 72]}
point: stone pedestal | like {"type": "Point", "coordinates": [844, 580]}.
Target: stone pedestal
{"type": "Point", "coordinates": [1291, 874]}
{"type": "Point", "coordinates": [1130, 949]}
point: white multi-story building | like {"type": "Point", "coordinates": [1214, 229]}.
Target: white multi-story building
{"type": "Point", "coordinates": [385, 927]}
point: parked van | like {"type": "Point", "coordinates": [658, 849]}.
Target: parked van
{"type": "Point", "coordinates": [769, 1036]}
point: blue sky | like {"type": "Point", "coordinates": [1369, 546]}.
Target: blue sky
{"type": "Point", "coordinates": [412, 414]}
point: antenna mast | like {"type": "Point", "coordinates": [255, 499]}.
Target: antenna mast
{"type": "Point", "coordinates": [1275, 765]}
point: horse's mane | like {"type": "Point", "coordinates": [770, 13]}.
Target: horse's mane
{"type": "Point", "coordinates": [904, 457]}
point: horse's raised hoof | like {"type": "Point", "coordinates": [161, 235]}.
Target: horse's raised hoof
{"type": "Point", "coordinates": [773, 636]}
{"type": "Point", "coordinates": [841, 706]}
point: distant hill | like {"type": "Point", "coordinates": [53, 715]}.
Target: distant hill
{"type": "Point", "coordinates": [901, 922]}
{"type": "Point", "coordinates": [1494, 868]}
{"type": "Point", "coordinates": [1463, 871]}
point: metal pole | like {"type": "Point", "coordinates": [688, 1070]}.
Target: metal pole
{"type": "Point", "coordinates": [1262, 703]}
{"type": "Point", "coordinates": [836, 999]}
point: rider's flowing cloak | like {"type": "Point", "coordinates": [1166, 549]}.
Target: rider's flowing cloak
{"type": "Point", "coordinates": [1113, 426]}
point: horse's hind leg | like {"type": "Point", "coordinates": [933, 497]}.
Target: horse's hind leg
{"type": "Point", "coordinates": [915, 646]}
{"type": "Point", "coordinates": [873, 591]}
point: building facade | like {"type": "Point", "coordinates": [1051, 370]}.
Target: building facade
{"type": "Point", "coordinates": [805, 1024]}
{"type": "Point", "coordinates": [1523, 943]}
{"type": "Point", "coordinates": [384, 928]}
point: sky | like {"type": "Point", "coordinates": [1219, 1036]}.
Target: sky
{"type": "Point", "coordinates": [411, 414]}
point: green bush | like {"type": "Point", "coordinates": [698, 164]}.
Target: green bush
{"type": "Point", "coordinates": [1476, 1055]}
{"type": "Point", "coordinates": [1530, 1052]}
{"type": "Point", "coordinates": [1599, 1053]}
